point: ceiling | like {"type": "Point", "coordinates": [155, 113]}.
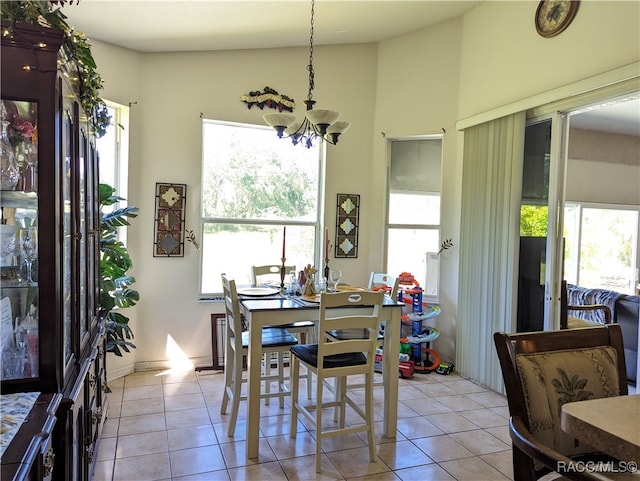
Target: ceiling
{"type": "Point", "coordinates": [616, 117]}
{"type": "Point", "coordinates": [172, 26]}
{"type": "Point", "coordinates": [200, 25]}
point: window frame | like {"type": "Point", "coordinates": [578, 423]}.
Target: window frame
{"type": "Point", "coordinates": [414, 226]}
{"type": "Point", "coordinates": [580, 207]}
{"type": "Point", "coordinates": [315, 223]}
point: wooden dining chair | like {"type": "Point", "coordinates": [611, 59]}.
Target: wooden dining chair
{"type": "Point", "coordinates": [304, 331]}
{"type": "Point", "coordinates": [542, 371]}
{"type": "Point", "coordinates": [274, 340]}
{"type": "Point", "coordinates": [339, 359]}
{"type": "Point", "coordinates": [378, 281]}
{"type": "Point", "coordinates": [268, 274]}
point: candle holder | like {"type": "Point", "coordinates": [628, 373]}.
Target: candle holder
{"type": "Point", "coordinates": [326, 270]}
{"type": "Point", "coordinates": [282, 273]}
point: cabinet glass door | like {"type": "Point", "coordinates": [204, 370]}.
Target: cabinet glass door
{"type": "Point", "coordinates": [19, 316]}
{"type": "Point", "coordinates": [82, 239]}
{"type": "Point", "coordinates": [67, 231]}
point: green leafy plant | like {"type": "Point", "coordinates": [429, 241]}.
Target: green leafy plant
{"type": "Point", "coordinates": [77, 47]}
{"type": "Point", "coordinates": [115, 284]}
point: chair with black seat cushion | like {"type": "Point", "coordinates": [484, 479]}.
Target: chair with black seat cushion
{"type": "Point", "coordinates": [339, 358]}
{"type": "Point", "coordinates": [304, 331]}
{"type": "Point", "coordinates": [378, 281]}
{"type": "Point", "coordinates": [274, 340]}
{"type": "Point", "coordinates": [542, 371]}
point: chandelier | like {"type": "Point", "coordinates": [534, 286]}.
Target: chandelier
{"type": "Point", "coordinates": [317, 123]}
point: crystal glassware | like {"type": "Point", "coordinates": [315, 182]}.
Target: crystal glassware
{"type": "Point", "coordinates": [29, 249]}
{"type": "Point", "coordinates": [334, 278]}
{"type": "Point", "coordinates": [9, 170]}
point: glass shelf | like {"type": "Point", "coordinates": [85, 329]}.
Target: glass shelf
{"type": "Point", "coordinates": [19, 250]}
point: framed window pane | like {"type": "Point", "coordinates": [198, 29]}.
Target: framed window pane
{"type": "Point", "coordinates": [413, 226]}
{"type": "Point", "coordinates": [249, 173]}
{"type": "Point", "coordinates": [413, 208]}
{"type": "Point", "coordinates": [607, 249]}
{"type": "Point", "coordinates": [253, 185]}
{"type": "Point", "coordinates": [233, 249]}
{"type": "Point", "coordinates": [407, 251]}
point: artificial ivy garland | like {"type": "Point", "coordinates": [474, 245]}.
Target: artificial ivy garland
{"type": "Point", "coordinates": [269, 98]}
{"type": "Point", "coordinates": [77, 46]}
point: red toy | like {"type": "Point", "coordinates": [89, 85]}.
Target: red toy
{"type": "Point", "coordinates": [406, 367]}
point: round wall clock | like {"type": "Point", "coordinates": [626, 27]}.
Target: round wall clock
{"type": "Point", "coordinates": [554, 16]}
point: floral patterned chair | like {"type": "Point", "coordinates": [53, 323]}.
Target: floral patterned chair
{"type": "Point", "coordinates": [544, 370]}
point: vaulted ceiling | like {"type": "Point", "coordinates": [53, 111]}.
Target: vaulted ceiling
{"type": "Point", "coordinates": [200, 25]}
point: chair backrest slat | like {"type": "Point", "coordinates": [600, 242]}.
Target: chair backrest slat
{"type": "Point", "coordinates": [271, 270]}
{"type": "Point", "coordinates": [378, 279]}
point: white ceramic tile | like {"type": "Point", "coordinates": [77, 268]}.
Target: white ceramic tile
{"type": "Point", "coordinates": [196, 460]}
{"type": "Point", "coordinates": [166, 426]}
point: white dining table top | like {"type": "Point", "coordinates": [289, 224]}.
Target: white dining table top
{"type": "Point", "coordinates": [610, 424]}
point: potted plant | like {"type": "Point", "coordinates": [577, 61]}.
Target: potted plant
{"type": "Point", "coordinates": [115, 284]}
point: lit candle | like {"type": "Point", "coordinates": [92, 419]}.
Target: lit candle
{"type": "Point", "coordinates": [284, 241]}
{"type": "Point", "coordinates": [326, 244]}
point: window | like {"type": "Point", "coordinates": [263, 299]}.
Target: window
{"type": "Point", "coordinates": [253, 186]}
{"type": "Point", "coordinates": [413, 225]}
{"type": "Point", "coordinates": [113, 149]}
{"type": "Point", "coordinates": [601, 246]}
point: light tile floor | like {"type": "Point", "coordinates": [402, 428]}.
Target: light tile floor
{"type": "Point", "coordinates": [169, 427]}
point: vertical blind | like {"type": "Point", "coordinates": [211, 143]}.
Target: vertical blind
{"type": "Point", "coordinates": [490, 218]}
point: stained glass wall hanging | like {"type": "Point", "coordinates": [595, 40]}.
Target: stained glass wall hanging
{"type": "Point", "coordinates": [347, 218]}
{"type": "Point", "coordinates": [169, 220]}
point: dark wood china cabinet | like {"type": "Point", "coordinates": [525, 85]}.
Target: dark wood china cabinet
{"type": "Point", "coordinates": [52, 338]}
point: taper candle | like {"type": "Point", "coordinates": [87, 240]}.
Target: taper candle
{"type": "Point", "coordinates": [326, 244]}
{"type": "Point", "coordinates": [284, 241]}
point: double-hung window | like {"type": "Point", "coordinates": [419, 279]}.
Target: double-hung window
{"type": "Point", "coordinates": [413, 225]}
{"type": "Point", "coordinates": [254, 186]}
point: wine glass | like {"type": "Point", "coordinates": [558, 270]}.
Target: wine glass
{"type": "Point", "coordinates": [334, 278]}
{"type": "Point", "coordinates": [29, 249]}
{"type": "Point", "coordinates": [31, 161]}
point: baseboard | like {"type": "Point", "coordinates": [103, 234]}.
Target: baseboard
{"type": "Point", "coordinates": [198, 362]}
{"type": "Point", "coordinates": [119, 372]}
{"type": "Point", "coordinates": [166, 364]}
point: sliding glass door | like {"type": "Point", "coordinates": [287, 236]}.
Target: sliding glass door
{"type": "Point", "coordinates": [541, 218]}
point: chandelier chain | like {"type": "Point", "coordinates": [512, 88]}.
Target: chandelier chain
{"type": "Point", "coordinates": [319, 124]}
{"type": "Point", "coordinates": [310, 66]}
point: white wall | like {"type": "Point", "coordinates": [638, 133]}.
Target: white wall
{"type": "Point", "coordinates": [172, 91]}
{"type": "Point", "coordinates": [419, 83]}
{"type": "Point", "coordinates": [418, 95]}
{"type": "Point", "coordinates": [505, 60]}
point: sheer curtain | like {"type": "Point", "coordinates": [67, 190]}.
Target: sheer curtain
{"type": "Point", "coordinates": [491, 195]}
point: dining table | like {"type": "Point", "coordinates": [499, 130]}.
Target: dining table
{"type": "Point", "coordinates": [610, 424]}
{"type": "Point", "coordinates": [271, 309]}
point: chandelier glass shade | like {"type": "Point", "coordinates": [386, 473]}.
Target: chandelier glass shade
{"type": "Point", "coordinates": [317, 123]}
